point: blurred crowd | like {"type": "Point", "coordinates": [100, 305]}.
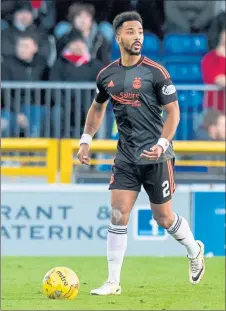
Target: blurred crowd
{"type": "Point", "coordinates": [70, 41]}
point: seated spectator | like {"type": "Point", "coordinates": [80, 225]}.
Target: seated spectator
{"type": "Point", "coordinates": [82, 23]}
{"type": "Point", "coordinates": [152, 13]}
{"type": "Point", "coordinates": [23, 23]}
{"type": "Point", "coordinates": [188, 16]}
{"type": "Point", "coordinates": [44, 12]}
{"type": "Point", "coordinates": [74, 65]}
{"type": "Point", "coordinates": [213, 127]}
{"type": "Point", "coordinates": [26, 65]}
{"type": "Point", "coordinates": [214, 72]}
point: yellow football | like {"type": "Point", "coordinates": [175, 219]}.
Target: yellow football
{"type": "Point", "coordinates": [61, 283]}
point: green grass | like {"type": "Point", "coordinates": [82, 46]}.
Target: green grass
{"type": "Point", "coordinates": [147, 283]}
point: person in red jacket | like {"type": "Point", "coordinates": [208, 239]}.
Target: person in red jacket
{"type": "Point", "coordinates": [214, 72]}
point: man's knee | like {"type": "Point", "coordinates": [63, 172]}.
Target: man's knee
{"type": "Point", "coordinates": [164, 221]}
{"type": "Point", "coordinates": [119, 215]}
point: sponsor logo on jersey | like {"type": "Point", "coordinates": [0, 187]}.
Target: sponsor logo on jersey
{"type": "Point", "coordinates": [111, 84]}
{"type": "Point", "coordinates": [137, 83]}
{"type": "Point", "coordinates": [97, 90]}
{"type": "Point", "coordinates": [127, 99]}
{"type": "Point", "coordinates": [168, 89]}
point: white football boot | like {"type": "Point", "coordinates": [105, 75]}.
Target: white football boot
{"type": "Point", "coordinates": [197, 266]}
{"type": "Point", "coordinates": [108, 288]}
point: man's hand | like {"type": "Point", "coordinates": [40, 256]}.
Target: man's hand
{"type": "Point", "coordinates": [83, 154]}
{"type": "Point", "coordinates": [22, 120]}
{"type": "Point", "coordinates": [154, 153]}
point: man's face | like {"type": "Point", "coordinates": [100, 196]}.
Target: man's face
{"type": "Point", "coordinates": [24, 18]}
{"type": "Point", "coordinates": [83, 21]}
{"type": "Point", "coordinates": [78, 48]}
{"type": "Point", "coordinates": [220, 127]}
{"type": "Point", "coordinates": [130, 37]}
{"type": "Point", "coordinates": [26, 49]}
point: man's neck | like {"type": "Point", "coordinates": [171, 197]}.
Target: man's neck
{"type": "Point", "coordinates": [129, 60]}
{"type": "Point", "coordinates": [86, 33]}
{"type": "Point", "coordinates": [220, 50]}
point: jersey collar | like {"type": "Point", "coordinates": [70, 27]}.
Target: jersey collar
{"type": "Point", "coordinates": [130, 67]}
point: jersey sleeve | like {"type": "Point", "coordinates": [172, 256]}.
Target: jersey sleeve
{"type": "Point", "coordinates": [101, 94]}
{"type": "Point", "coordinates": [166, 91]}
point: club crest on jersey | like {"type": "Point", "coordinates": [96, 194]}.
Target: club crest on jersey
{"type": "Point", "coordinates": [137, 83]}
{"type": "Point", "coordinates": [168, 89]}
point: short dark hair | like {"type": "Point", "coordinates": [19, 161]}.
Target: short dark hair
{"type": "Point", "coordinates": [32, 36]}
{"type": "Point", "coordinates": [126, 17]}
{"type": "Point", "coordinates": [77, 8]}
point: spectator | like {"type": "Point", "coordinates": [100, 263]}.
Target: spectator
{"type": "Point", "coordinates": [23, 23]}
{"type": "Point", "coordinates": [74, 65]}
{"type": "Point", "coordinates": [44, 12]}
{"type": "Point", "coordinates": [82, 24]}
{"type": "Point", "coordinates": [152, 13]}
{"type": "Point", "coordinates": [213, 127]}
{"type": "Point", "coordinates": [214, 72]}
{"type": "Point", "coordinates": [216, 27]}
{"type": "Point", "coordinates": [26, 65]}
{"type": "Point", "coordinates": [188, 16]}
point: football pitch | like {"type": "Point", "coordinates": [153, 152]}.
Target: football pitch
{"type": "Point", "coordinates": [148, 283]}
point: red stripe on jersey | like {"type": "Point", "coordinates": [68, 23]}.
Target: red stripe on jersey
{"type": "Point", "coordinates": [171, 178]}
{"type": "Point", "coordinates": [107, 67]}
{"type": "Point", "coordinates": [156, 65]}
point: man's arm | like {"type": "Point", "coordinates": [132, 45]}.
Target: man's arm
{"type": "Point", "coordinates": [93, 121]}
{"type": "Point", "coordinates": [167, 97]}
{"type": "Point", "coordinates": [94, 118]}
{"type": "Point", "coordinates": [171, 121]}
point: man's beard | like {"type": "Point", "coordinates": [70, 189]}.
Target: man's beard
{"type": "Point", "coordinates": [130, 51]}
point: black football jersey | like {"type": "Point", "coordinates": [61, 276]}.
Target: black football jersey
{"type": "Point", "coordinates": [138, 94]}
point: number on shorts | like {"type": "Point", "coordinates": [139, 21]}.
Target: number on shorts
{"type": "Point", "coordinates": [165, 190]}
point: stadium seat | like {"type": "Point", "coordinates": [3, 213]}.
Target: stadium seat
{"type": "Point", "coordinates": [186, 44]}
{"type": "Point", "coordinates": [115, 51]}
{"type": "Point", "coordinates": [190, 103]}
{"type": "Point", "coordinates": [184, 47]}
{"type": "Point", "coordinates": [190, 100]}
{"type": "Point", "coordinates": [151, 45]}
{"type": "Point", "coordinates": [185, 72]}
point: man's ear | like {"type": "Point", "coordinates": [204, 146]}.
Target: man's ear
{"type": "Point", "coordinates": [118, 39]}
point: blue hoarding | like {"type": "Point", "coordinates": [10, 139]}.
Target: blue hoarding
{"type": "Point", "coordinates": [209, 221]}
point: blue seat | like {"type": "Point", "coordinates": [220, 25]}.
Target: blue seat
{"type": "Point", "coordinates": [151, 45]}
{"type": "Point", "coordinates": [185, 44]}
{"type": "Point", "coordinates": [190, 103]}
{"type": "Point", "coordinates": [190, 100]}
{"type": "Point", "coordinates": [185, 72]}
{"type": "Point", "coordinates": [115, 51]}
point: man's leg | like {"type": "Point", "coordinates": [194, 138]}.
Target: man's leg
{"type": "Point", "coordinates": [125, 186]}
{"type": "Point", "coordinates": [160, 190]}
{"type": "Point", "coordinates": [178, 227]}
{"type": "Point", "coordinates": [122, 202]}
